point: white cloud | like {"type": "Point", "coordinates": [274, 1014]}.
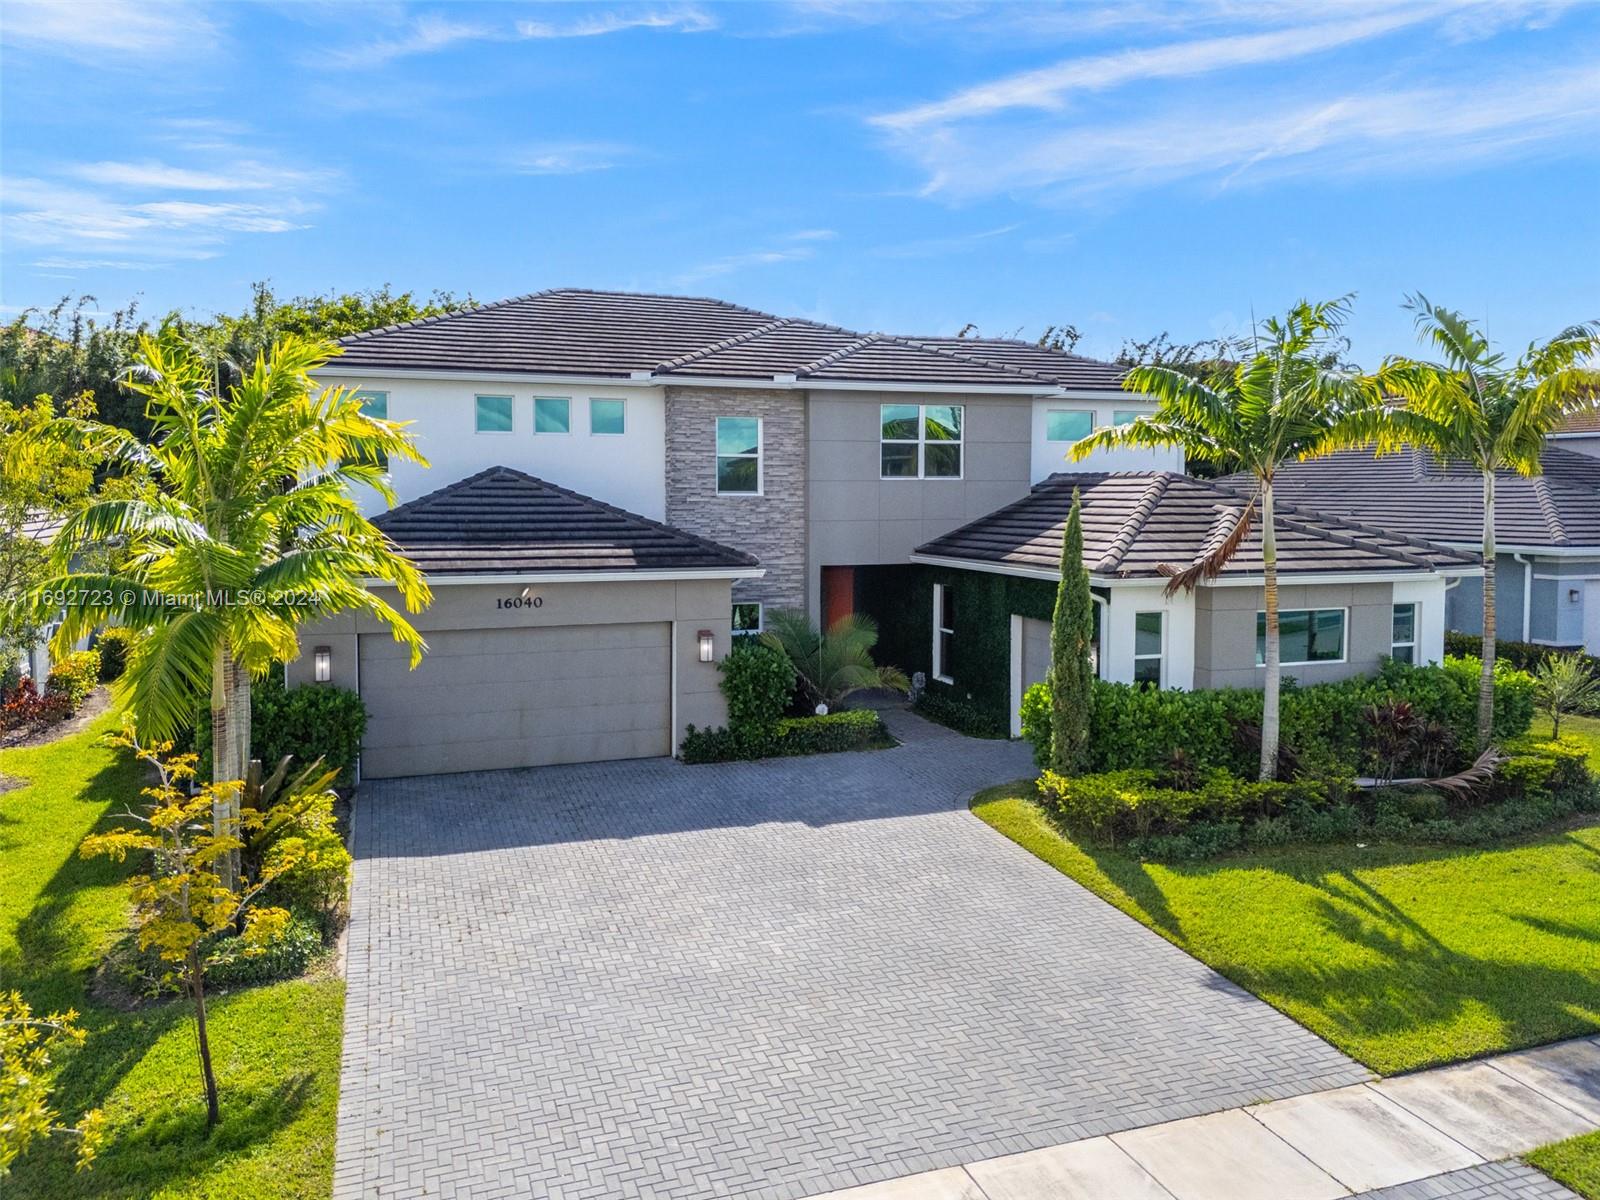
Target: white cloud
{"type": "Point", "coordinates": [791, 247]}
{"type": "Point", "coordinates": [109, 31]}
{"type": "Point", "coordinates": [246, 175]}
{"type": "Point", "coordinates": [679, 20]}
{"type": "Point", "coordinates": [567, 158]}
{"type": "Point", "coordinates": [938, 247]}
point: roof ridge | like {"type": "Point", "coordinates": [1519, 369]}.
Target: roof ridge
{"type": "Point", "coordinates": [444, 316]}
{"type": "Point", "coordinates": [862, 341]}
{"type": "Point", "coordinates": [745, 308]}
{"type": "Point", "coordinates": [971, 360]}
{"type": "Point", "coordinates": [1131, 527]}
{"type": "Point", "coordinates": [1026, 345]}
{"type": "Point", "coordinates": [688, 356]}
{"type": "Point", "coordinates": [1549, 511]}
{"type": "Point", "coordinates": [417, 501]}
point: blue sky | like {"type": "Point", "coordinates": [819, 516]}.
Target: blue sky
{"type": "Point", "coordinates": [1127, 167]}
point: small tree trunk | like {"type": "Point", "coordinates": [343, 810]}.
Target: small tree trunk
{"type": "Point", "coordinates": [1486, 677]}
{"type": "Point", "coordinates": [230, 751]}
{"type": "Point", "coordinates": [197, 988]}
{"type": "Point", "coordinates": [1271, 688]}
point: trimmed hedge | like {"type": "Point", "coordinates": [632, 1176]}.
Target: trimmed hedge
{"type": "Point", "coordinates": [1324, 727]}
{"type": "Point", "coordinates": [317, 720]}
{"type": "Point", "coordinates": [758, 682]}
{"type": "Point", "coordinates": [852, 729]}
{"type": "Point", "coordinates": [1525, 656]}
{"type": "Point", "coordinates": [1142, 812]}
{"type": "Point", "coordinates": [964, 716]}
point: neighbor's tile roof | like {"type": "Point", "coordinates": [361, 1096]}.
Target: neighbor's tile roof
{"type": "Point", "coordinates": [502, 521]}
{"type": "Point", "coordinates": [1588, 422]}
{"type": "Point", "coordinates": [1135, 522]}
{"type": "Point", "coordinates": [1412, 492]}
{"type": "Point", "coordinates": [617, 334]}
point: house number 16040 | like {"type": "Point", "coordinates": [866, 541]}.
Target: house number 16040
{"type": "Point", "coordinates": [519, 602]}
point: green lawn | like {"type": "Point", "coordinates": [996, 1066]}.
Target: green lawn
{"type": "Point", "coordinates": [276, 1047]}
{"type": "Point", "coordinates": [1574, 1162]}
{"type": "Point", "coordinates": [1401, 956]}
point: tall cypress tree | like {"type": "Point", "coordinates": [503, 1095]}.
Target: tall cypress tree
{"type": "Point", "coordinates": [1071, 671]}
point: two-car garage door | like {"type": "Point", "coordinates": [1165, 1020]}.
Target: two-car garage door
{"type": "Point", "coordinates": [516, 697]}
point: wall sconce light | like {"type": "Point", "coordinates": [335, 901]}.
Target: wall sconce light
{"type": "Point", "coordinates": [322, 664]}
{"type": "Point", "coordinates": [1572, 595]}
{"type": "Point", "coordinates": [707, 645]}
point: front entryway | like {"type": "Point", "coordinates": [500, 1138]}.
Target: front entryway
{"type": "Point", "coordinates": [519, 697]}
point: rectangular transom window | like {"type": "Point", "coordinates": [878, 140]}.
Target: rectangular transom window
{"type": "Point", "coordinates": [1068, 424]}
{"type": "Point", "coordinates": [493, 414]}
{"type": "Point", "coordinates": [944, 632]}
{"type": "Point", "coordinates": [1149, 647]}
{"type": "Point", "coordinates": [746, 617]}
{"type": "Point", "coordinates": [1123, 417]}
{"type": "Point", "coordinates": [552, 414]}
{"type": "Point", "coordinates": [739, 456]}
{"type": "Point", "coordinates": [1305, 635]}
{"type": "Point", "coordinates": [606, 416]}
{"type": "Point", "coordinates": [1404, 637]}
{"type": "Point", "coordinates": [920, 441]}
{"type": "Point", "coordinates": [376, 405]}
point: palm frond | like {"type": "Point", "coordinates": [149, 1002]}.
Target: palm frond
{"type": "Point", "coordinates": [1210, 564]}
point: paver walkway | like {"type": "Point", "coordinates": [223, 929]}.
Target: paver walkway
{"type": "Point", "coordinates": [1434, 1135]}
{"type": "Point", "coordinates": [759, 979]}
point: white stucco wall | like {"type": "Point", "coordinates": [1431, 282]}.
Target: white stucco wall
{"type": "Point", "coordinates": [1117, 627]}
{"type": "Point", "coordinates": [1429, 597]}
{"type": "Point", "coordinates": [626, 469]}
{"type": "Point", "coordinates": [1050, 457]}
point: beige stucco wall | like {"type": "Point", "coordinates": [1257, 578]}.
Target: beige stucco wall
{"type": "Point", "coordinates": [693, 604]}
{"type": "Point", "coordinates": [1225, 631]}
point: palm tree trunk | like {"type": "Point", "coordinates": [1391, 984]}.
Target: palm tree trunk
{"type": "Point", "coordinates": [230, 750]}
{"type": "Point", "coordinates": [197, 988]}
{"type": "Point", "coordinates": [1271, 688]}
{"type": "Point", "coordinates": [1486, 678]}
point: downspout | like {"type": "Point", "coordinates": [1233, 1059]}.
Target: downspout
{"type": "Point", "coordinates": [1527, 593]}
{"type": "Point", "coordinates": [1100, 642]}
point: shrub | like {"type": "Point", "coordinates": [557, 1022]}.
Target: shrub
{"type": "Point", "coordinates": [1036, 716]}
{"type": "Point", "coordinates": [964, 716]}
{"type": "Point", "coordinates": [74, 677]}
{"type": "Point", "coordinates": [852, 729]}
{"type": "Point", "coordinates": [141, 972]}
{"type": "Point", "coordinates": [113, 645]}
{"type": "Point", "coordinates": [23, 708]}
{"type": "Point", "coordinates": [1525, 656]}
{"type": "Point", "coordinates": [757, 681]}
{"type": "Point", "coordinates": [309, 722]}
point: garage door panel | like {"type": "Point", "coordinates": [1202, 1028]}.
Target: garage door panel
{"type": "Point", "coordinates": [492, 698]}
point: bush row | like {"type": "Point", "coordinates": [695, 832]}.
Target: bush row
{"type": "Point", "coordinates": [1134, 809]}
{"type": "Point", "coordinates": [1525, 656]}
{"type": "Point", "coordinates": [964, 716]}
{"type": "Point", "coordinates": [1327, 729]}
{"type": "Point", "coordinates": [315, 721]}
{"type": "Point", "coordinates": [851, 729]}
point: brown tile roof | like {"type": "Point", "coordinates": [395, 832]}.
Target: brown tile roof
{"type": "Point", "coordinates": [1588, 422]}
{"type": "Point", "coordinates": [617, 334]}
{"type": "Point", "coordinates": [1134, 522]}
{"type": "Point", "coordinates": [502, 521]}
{"type": "Point", "coordinates": [1413, 493]}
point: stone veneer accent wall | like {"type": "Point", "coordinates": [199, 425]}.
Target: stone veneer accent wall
{"type": "Point", "coordinates": [771, 526]}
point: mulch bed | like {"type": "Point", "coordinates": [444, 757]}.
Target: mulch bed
{"type": "Point", "coordinates": [99, 700]}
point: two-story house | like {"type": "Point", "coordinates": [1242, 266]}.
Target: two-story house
{"type": "Point", "coordinates": [618, 484]}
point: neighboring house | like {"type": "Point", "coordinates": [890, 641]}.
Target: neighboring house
{"type": "Point", "coordinates": [1349, 596]}
{"type": "Point", "coordinates": [35, 661]}
{"type": "Point", "coordinates": [572, 433]}
{"type": "Point", "coordinates": [1581, 433]}
{"type": "Point", "coordinates": [1547, 531]}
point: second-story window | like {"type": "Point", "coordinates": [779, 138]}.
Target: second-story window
{"type": "Point", "coordinates": [376, 405]}
{"type": "Point", "coordinates": [552, 414]}
{"type": "Point", "coordinates": [1068, 424]}
{"type": "Point", "coordinates": [739, 456]}
{"type": "Point", "coordinates": [606, 417]}
{"type": "Point", "coordinates": [1124, 417]}
{"type": "Point", "coordinates": [920, 441]}
{"type": "Point", "coordinates": [493, 414]}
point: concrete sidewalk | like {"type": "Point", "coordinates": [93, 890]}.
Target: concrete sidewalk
{"type": "Point", "coordinates": [1427, 1136]}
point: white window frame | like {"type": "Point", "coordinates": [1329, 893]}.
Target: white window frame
{"type": "Point", "coordinates": [761, 617]}
{"type": "Point", "coordinates": [760, 455]}
{"type": "Point", "coordinates": [1088, 412]}
{"type": "Point", "coordinates": [1160, 656]}
{"type": "Point", "coordinates": [608, 400]}
{"type": "Point", "coordinates": [1416, 616]}
{"type": "Point", "coordinates": [939, 665]}
{"type": "Point", "coordinates": [537, 432]}
{"type": "Point", "coordinates": [493, 396]}
{"type": "Point", "coordinates": [921, 443]}
{"type": "Point", "coordinates": [1344, 636]}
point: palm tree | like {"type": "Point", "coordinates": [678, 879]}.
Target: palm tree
{"type": "Point", "coordinates": [1287, 398]}
{"type": "Point", "coordinates": [1476, 406]}
{"type": "Point", "coordinates": [833, 665]}
{"type": "Point", "coordinates": [1565, 684]}
{"type": "Point", "coordinates": [246, 531]}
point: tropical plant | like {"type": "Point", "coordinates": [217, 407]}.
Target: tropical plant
{"type": "Point", "coordinates": [833, 665]}
{"type": "Point", "coordinates": [249, 531]}
{"type": "Point", "coordinates": [1071, 635]}
{"type": "Point", "coordinates": [1564, 685]}
{"type": "Point", "coordinates": [1476, 406]}
{"type": "Point", "coordinates": [26, 1079]}
{"type": "Point", "coordinates": [186, 902]}
{"type": "Point", "coordinates": [1289, 396]}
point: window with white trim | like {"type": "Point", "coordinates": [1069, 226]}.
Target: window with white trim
{"type": "Point", "coordinates": [738, 456]}
{"type": "Point", "coordinates": [1403, 638]}
{"type": "Point", "coordinates": [1149, 648]}
{"type": "Point", "coordinates": [746, 617]}
{"type": "Point", "coordinates": [607, 418]}
{"type": "Point", "coordinates": [1068, 424]}
{"type": "Point", "coordinates": [944, 631]}
{"type": "Point", "coordinates": [552, 414]}
{"type": "Point", "coordinates": [492, 414]}
{"type": "Point", "coordinates": [1305, 636]}
{"type": "Point", "coordinates": [920, 441]}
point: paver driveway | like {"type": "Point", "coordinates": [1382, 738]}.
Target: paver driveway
{"type": "Point", "coordinates": [759, 979]}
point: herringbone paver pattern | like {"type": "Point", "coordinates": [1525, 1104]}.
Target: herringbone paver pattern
{"type": "Point", "coordinates": [758, 979]}
{"type": "Point", "coordinates": [1491, 1181]}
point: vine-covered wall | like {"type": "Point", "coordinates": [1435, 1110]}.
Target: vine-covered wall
{"type": "Point", "coordinates": [900, 599]}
